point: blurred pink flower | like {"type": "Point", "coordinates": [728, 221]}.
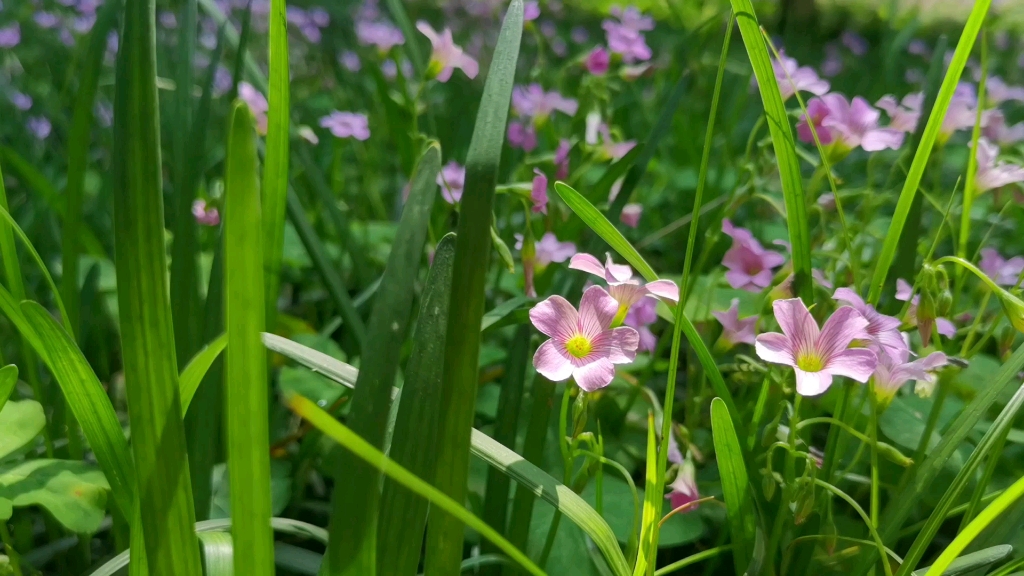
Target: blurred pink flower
{"type": "Point", "coordinates": [903, 115]}
{"type": "Point", "coordinates": [531, 11]}
{"type": "Point", "coordinates": [50, 20]}
{"type": "Point", "coordinates": [736, 330]}
{"type": "Point", "coordinates": [997, 131]}
{"type": "Point", "coordinates": [39, 126]}
{"type": "Point", "coordinates": [630, 215]}
{"type": "Point", "coordinates": [350, 61]}
{"type": "Point", "coordinates": [598, 61]}
{"type": "Point", "coordinates": [893, 372]}
{"type": "Point", "coordinates": [750, 264]}
{"type": "Point", "coordinates": [533, 102]}
{"type": "Point", "coordinates": [817, 355]}
{"type": "Point", "coordinates": [918, 48]}
{"type": "Point", "coordinates": [904, 291]}
{"type": "Point", "coordinates": [625, 37]}
{"type": "Point", "coordinates": [856, 43]}
{"type": "Point", "coordinates": [610, 148]}
{"type": "Point", "coordinates": [10, 36]}
{"type": "Point", "coordinates": [640, 316]}
{"type": "Point", "coordinates": [522, 136]}
{"type": "Point", "coordinates": [581, 344]}
{"type": "Point", "coordinates": [793, 78]}
{"type": "Point", "coordinates": [380, 34]}
{"type": "Point", "coordinates": [998, 91]}
{"type": "Point", "coordinates": [452, 180]}
{"type": "Point", "coordinates": [539, 192]}
{"type": "Point", "coordinates": [832, 65]}
{"type": "Point", "coordinates": [993, 173]}
{"type": "Point", "coordinates": [446, 55]}
{"type": "Point", "coordinates": [962, 112]}
{"type": "Point", "coordinates": [21, 101]}
{"type": "Point", "coordinates": [883, 331]}
{"type": "Point", "coordinates": [346, 125]}
{"type": "Point", "coordinates": [818, 110]}
{"type": "Point", "coordinates": [257, 103]}
{"type": "Point", "coordinates": [621, 284]}
{"type": "Point", "coordinates": [562, 159]}
{"type": "Point", "coordinates": [579, 35]}
{"type": "Point", "coordinates": [549, 249]}
{"type": "Point", "coordinates": [205, 216]}
{"type": "Point", "coordinates": [1002, 271]}
{"type": "Point", "coordinates": [852, 124]}
{"type": "Point", "coordinates": [684, 487]}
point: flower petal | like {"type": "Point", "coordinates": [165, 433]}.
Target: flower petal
{"type": "Point", "coordinates": [945, 327]}
{"type": "Point", "coordinates": [616, 272]}
{"type": "Point", "coordinates": [775, 348]}
{"type": "Point", "coordinates": [555, 317]}
{"type": "Point", "coordinates": [796, 322]}
{"type": "Point", "coordinates": [855, 363]}
{"type": "Point", "coordinates": [586, 263]}
{"type": "Point", "coordinates": [622, 343]}
{"type": "Point", "coordinates": [597, 309]}
{"type": "Point", "coordinates": [595, 375]}
{"type": "Point", "coordinates": [848, 296]}
{"type": "Point", "coordinates": [627, 294]}
{"type": "Point", "coordinates": [844, 326]}
{"type": "Point", "coordinates": [666, 289]}
{"type": "Point", "coordinates": [551, 363]}
{"type": "Point", "coordinates": [812, 383]}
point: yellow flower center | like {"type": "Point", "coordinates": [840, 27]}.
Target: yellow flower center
{"type": "Point", "coordinates": [810, 362]}
{"type": "Point", "coordinates": [579, 346]}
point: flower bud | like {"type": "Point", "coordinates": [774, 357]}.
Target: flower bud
{"type": "Point", "coordinates": [1014, 308]}
{"type": "Point", "coordinates": [768, 486]}
{"type": "Point", "coordinates": [890, 453]}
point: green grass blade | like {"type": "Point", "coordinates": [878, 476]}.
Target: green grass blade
{"type": "Point", "coordinates": [217, 550]}
{"type": "Point", "coordinates": [540, 483]}
{"type": "Point", "coordinates": [735, 485]}
{"type": "Point", "coordinates": [974, 561]}
{"type": "Point", "coordinates": [927, 144]}
{"type": "Point", "coordinates": [275, 168]}
{"type": "Point", "coordinates": [8, 380]}
{"type": "Point", "coordinates": [353, 546]}
{"type": "Point", "coordinates": [445, 534]}
{"type": "Point", "coordinates": [336, 370]}
{"type": "Point", "coordinates": [78, 149]}
{"type": "Point", "coordinates": [147, 336]}
{"type": "Point", "coordinates": [197, 368]}
{"type": "Point", "coordinates": [783, 144]}
{"type": "Point", "coordinates": [968, 534]}
{"type": "Point", "coordinates": [365, 451]}
{"type": "Point", "coordinates": [412, 37]}
{"type": "Point", "coordinates": [645, 558]}
{"type": "Point", "coordinates": [533, 452]}
{"type": "Point", "coordinates": [414, 443]}
{"type": "Point", "coordinates": [245, 382]}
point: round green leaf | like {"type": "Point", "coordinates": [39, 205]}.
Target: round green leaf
{"type": "Point", "coordinates": [20, 422]}
{"type": "Point", "coordinates": [74, 492]}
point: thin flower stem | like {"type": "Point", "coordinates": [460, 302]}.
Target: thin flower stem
{"type": "Point", "coordinates": [977, 322]}
{"type": "Point", "coordinates": [915, 528]}
{"type": "Point", "coordinates": [873, 430]}
{"type": "Point", "coordinates": [882, 551]}
{"type": "Point", "coordinates": [789, 491]}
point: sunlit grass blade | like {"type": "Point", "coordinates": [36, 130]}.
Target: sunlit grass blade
{"type": "Point", "coordinates": [217, 552]}
{"type": "Point", "coordinates": [78, 149]}
{"type": "Point", "coordinates": [974, 561]}
{"type": "Point", "coordinates": [8, 379]}
{"type": "Point", "coordinates": [651, 516]}
{"type": "Point", "coordinates": [275, 159]}
{"type": "Point", "coordinates": [925, 147]}
{"type": "Point", "coordinates": [783, 144]}
{"type": "Point", "coordinates": [366, 452]}
{"type": "Point", "coordinates": [413, 445]}
{"type": "Point", "coordinates": [332, 368]}
{"type": "Point", "coordinates": [353, 545]}
{"type": "Point", "coordinates": [735, 485]}
{"type": "Point", "coordinates": [540, 483]}
{"type": "Point", "coordinates": [197, 368]}
{"type": "Point", "coordinates": [147, 336]}
{"type": "Point", "coordinates": [445, 533]}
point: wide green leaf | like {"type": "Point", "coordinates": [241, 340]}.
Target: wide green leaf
{"type": "Point", "coordinates": [974, 561]}
{"type": "Point", "coordinates": [735, 485]}
{"type": "Point", "coordinates": [20, 422]}
{"type": "Point", "coordinates": [275, 167]}
{"type": "Point", "coordinates": [414, 442]}
{"type": "Point", "coordinates": [74, 492]}
{"type": "Point", "coordinates": [472, 255]}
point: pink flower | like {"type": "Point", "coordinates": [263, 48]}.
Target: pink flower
{"type": "Point", "coordinates": [991, 172]}
{"type": "Point", "coordinates": [640, 316]}
{"type": "Point", "coordinates": [204, 215]}
{"type": "Point", "coordinates": [750, 265]}
{"type": "Point", "coordinates": [1002, 271]}
{"type": "Point", "coordinates": [380, 34]}
{"type": "Point", "coordinates": [630, 215]}
{"type": "Point", "coordinates": [447, 56]}
{"type": "Point", "coordinates": [918, 48]}
{"type": "Point", "coordinates": [903, 115]}
{"type": "Point", "coordinates": [884, 331]}
{"type": "Point", "coordinates": [734, 330]}
{"type": "Point", "coordinates": [684, 487]}
{"type": "Point", "coordinates": [853, 124]}
{"type": "Point", "coordinates": [539, 193]}
{"type": "Point", "coordinates": [620, 281]}
{"type": "Point", "coordinates": [598, 61]}
{"type": "Point", "coordinates": [549, 249]}
{"type": "Point", "coordinates": [793, 78]}
{"type": "Point", "coordinates": [893, 372]}
{"type": "Point", "coordinates": [817, 355]}
{"type": "Point", "coordinates": [522, 136]}
{"type": "Point", "coordinates": [350, 61]}
{"type": "Point", "coordinates": [997, 91]}
{"type": "Point", "coordinates": [452, 180]}
{"type": "Point", "coordinates": [531, 11]}
{"type": "Point", "coordinates": [20, 100]}
{"type": "Point", "coordinates": [346, 125]}
{"type": "Point", "coordinates": [832, 65]}
{"type": "Point", "coordinates": [256, 102]}
{"type": "Point", "coordinates": [562, 159]}
{"type": "Point", "coordinates": [611, 149]}
{"type": "Point", "coordinates": [626, 38]}
{"type": "Point", "coordinates": [855, 42]}
{"type": "Point", "coordinates": [10, 36]}
{"type": "Point", "coordinates": [582, 344]}
{"type": "Point", "coordinates": [997, 130]}
{"type": "Point", "coordinates": [533, 102]}
{"type": "Point", "coordinates": [962, 112]}
{"type": "Point", "coordinates": [39, 126]}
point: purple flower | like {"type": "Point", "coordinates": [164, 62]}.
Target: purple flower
{"type": "Point", "coordinates": [903, 115]}
{"type": "Point", "coordinates": [312, 33]}
{"type": "Point", "coordinates": [549, 249]}
{"type": "Point", "coordinates": [817, 355]}
{"type": "Point", "coordinates": [257, 103]}
{"type": "Point", "coordinates": [736, 330]}
{"type": "Point", "coordinates": [46, 20]}
{"type": "Point", "coordinates": [559, 47]}
{"type": "Point", "coordinates": [630, 215]}
{"type": "Point", "coordinates": [446, 56]}
{"type": "Point", "coordinates": [531, 11]}
{"type": "Point", "coordinates": [582, 344]}
{"type": "Point", "coordinates": [640, 316]}
{"type": "Point", "coordinates": [855, 43]}
{"type": "Point", "coordinates": [539, 192]}
{"type": "Point", "coordinates": [522, 136]}
{"type": "Point", "coordinates": [997, 130]}
{"type": "Point", "coordinates": [346, 125]}
{"type": "Point", "coordinates": [832, 65]}
{"type": "Point", "coordinates": [533, 102]}
{"type": "Point", "coordinates": [10, 36]}
{"type": "Point", "coordinates": [562, 159]}
{"type": "Point", "coordinates": [962, 112]}
{"type": "Point", "coordinates": [380, 34]}
{"type": "Point", "coordinates": [21, 101]}
{"type": "Point", "coordinates": [83, 24]}
{"type": "Point", "coordinates": [39, 126]}
{"type": "Point", "coordinates": [626, 38]}
{"type": "Point", "coordinates": [818, 110]}
{"type": "Point", "coordinates": [579, 35]}
{"type": "Point", "coordinates": [852, 124]}
{"type": "Point", "coordinates": [750, 264]}
{"type": "Point", "coordinates": [204, 215]}
{"type": "Point", "coordinates": [993, 173]}
{"type": "Point", "coordinates": [611, 149]}
{"type": "Point", "coordinates": [598, 61]}
{"type": "Point", "coordinates": [884, 331]}
{"type": "Point", "coordinates": [350, 61]}
{"type": "Point", "coordinates": [918, 48]}
{"type": "Point", "coordinates": [997, 91]}
{"type": "Point", "coordinates": [452, 180]}
{"type": "Point", "coordinates": [621, 284]}
{"type": "Point", "coordinates": [893, 372]}
{"type": "Point", "coordinates": [319, 17]}
{"type": "Point", "coordinates": [1002, 271]}
{"type": "Point", "coordinates": [222, 80]}
{"type": "Point", "coordinates": [684, 487]}
{"type": "Point", "coordinates": [793, 78]}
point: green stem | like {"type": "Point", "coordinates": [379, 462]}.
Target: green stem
{"type": "Point", "coordinates": [977, 322]}
{"type": "Point", "coordinates": [874, 455]}
{"type": "Point", "coordinates": [5, 537]}
{"type": "Point", "coordinates": [690, 560]}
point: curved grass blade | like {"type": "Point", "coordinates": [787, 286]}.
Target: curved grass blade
{"type": "Point", "coordinates": [197, 368]}
{"type": "Point", "coordinates": [365, 451]}
{"type": "Point", "coordinates": [353, 545]}
{"type": "Point", "coordinates": [217, 552]}
{"type": "Point", "coordinates": [974, 561]}
{"type": "Point", "coordinates": [735, 484]}
{"type": "Point", "coordinates": [8, 379]}
{"type": "Point", "coordinates": [414, 442]}
{"type": "Point", "coordinates": [13, 226]}
{"type": "Point", "coordinates": [927, 144]}
{"type": "Point", "coordinates": [245, 381]}
{"type": "Point", "coordinates": [275, 167]}
{"type": "Point", "coordinates": [783, 144]}
{"type": "Point", "coordinates": [147, 335]}
{"type": "Point", "coordinates": [319, 362]}
{"type": "Point", "coordinates": [445, 533]}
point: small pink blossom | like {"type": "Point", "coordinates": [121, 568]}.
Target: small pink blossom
{"type": "Point", "coordinates": [446, 56]}
{"type": "Point", "coordinates": [549, 249]}
{"type": "Point", "coordinates": [625, 36]}
{"type": "Point", "coordinates": [736, 330]}
{"type": "Point", "coordinates": [640, 316]}
{"type": "Point", "coordinates": [257, 103]}
{"type": "Point", "coordinates": [993, 173]}
{"type": "Point", "coordinates": [903, 115]}
{"type": "Point", "coordinates": [534, 102]}
{"type": "Point", "coordinates": [346, 125]}
{"type": "Point", "coordinates": [20, 100]}
{"type": "Point", "coordinates": [998, 91]}
{"type": "Point", "coordinates": [883, 331]}
{"type": "Point", "coordinates": [10, 36]}
{"type": "Point", "coordinates": [539, 192]}
{"type": "Point", "coordinates": [598, 61]}
{"type": "Point", "coordinates": [581, 344]}
{"type": "Point", "coordinates": [610, 148]}
{"type": "Point", "coordinates": [962, 112]}
{"type": "Point", "coordinates": [1002, 271]}
{"type": "Point", "coordinates": [817, 355]}
{"type": "Point", "coordinates": [684, 487]}
{"type": "Point", "coordinates": [793, 78]}
{"type": "Point", "coordinates": [750, 264]}
{"type": "Point", "coordinates": [856, 43]}
{"type": "Point", "coordinates": [631, 213]}
{"type": "Point", "coordinates": [531, 11]}
{"type": "Point", "coordinates": [562, 159]}
{"type": "Point", "coordinates": [621, 284]}
{"type": "Point", "coordinates": [204, 215]}
{"type": "Point", "coordinates": [380, 34]}
{"type": "Point", "coordinates": [893, 372]}
{"type": "Point", "coordinates": [997, 131]}
{"type": "Point", "coordinates": [452, 180]}
{"type": "Point", "coordinates": [39, 126]}
{"type": "Point", "coordinates": [522, 136]}
{"type": "Point", "coordinates": [853, 124]}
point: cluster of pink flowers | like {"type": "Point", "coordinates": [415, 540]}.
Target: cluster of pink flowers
{"type": "Point", "coordinates": [346, 125]}
{"type": "Point", "coordinates": [309, 22]}
{"type": "Point", "coordinates": [751, 266]}
{"type": "Point", "coordinates": [626, 34]}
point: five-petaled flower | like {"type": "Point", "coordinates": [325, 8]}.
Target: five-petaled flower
{"type": "Point", "coordinates": [735, 330]}
{"type": "Point", "coordinates": [892, 372]}
{"type": "Point", "coordinates": [750, 264]}
{"type": "Point", "coordinates": [446, 55]}
{"type": "Point", "coordinates": [582, 344]}
{"type": "Point", "coordinates": [621, 284]}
